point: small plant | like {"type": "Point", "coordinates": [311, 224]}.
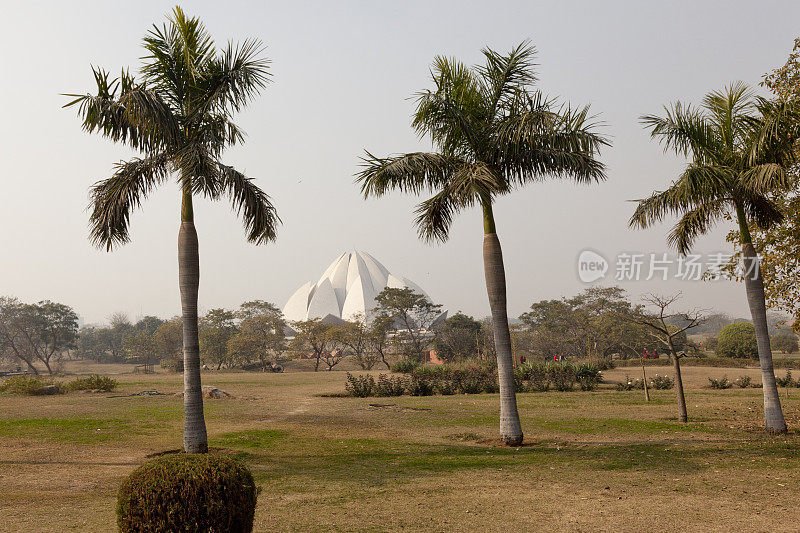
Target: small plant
{"type": "Point", "coordinates": [188, 492]}
{"type": "Point", "coordinates": [742, 382]}
{"type": "Point", "coordinates": [630, 384]}
{"type": "Point", "coordinates": [359, 386]}
{"type": "Point", "coordinates": [93, 382]}
{"type": "Point", "coordinates": [588, 376]}
{"type": "Point", "coordinates": [722, 383]}
{"type": "Point", "coordinates": [661, 382]}
{"type": "Point", "coordinates": [405, 366]}
{"type": "Point", "coordinates": [420, 387]}
{"type": "Point", "coordinates": [787, 381]}
{"type": "Point", "coordinates": [30, 385]}
{"type": "Point", "coordinates": [562, 375]}
{"type": "Point", "coordinates": [389, 386]}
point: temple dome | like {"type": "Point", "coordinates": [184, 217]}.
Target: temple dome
{"type": "Point", "coordinates": [347, 288]}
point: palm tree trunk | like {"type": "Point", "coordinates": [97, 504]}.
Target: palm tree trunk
{"type": "Point", "coordinates": [754, 285]}
{"type": "Point", "coordinates": [195, 439]}
{"type": "Point", "coordinates": [682, 415]}
{"type": "Point", "coordinates": [510, 427]}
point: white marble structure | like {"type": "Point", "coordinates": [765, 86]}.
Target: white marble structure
{"type": "Point", "coordinates": [347, 288]}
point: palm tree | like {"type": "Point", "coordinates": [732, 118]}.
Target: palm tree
{"type": "Point", "coordinates": [178, 116]}
{"type": "Point", "coordinates": [494, 133]}
{"type": "Point", "coordinates": [740, 147]}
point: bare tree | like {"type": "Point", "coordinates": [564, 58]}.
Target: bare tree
{"type": "Point", "coordinates": [661, 326]}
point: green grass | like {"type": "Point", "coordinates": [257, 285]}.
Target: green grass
{"type": "Point", "coordinates": [73, 430]}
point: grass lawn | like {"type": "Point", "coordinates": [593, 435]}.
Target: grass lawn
{"type": "Point", "coordinates": [602, 460]}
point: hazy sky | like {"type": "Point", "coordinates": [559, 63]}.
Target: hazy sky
{"type": "Point", "coordinates": [343, 75]}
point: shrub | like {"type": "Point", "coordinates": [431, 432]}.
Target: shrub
{"type": "Point", "coordinates": [588, 376]}
{"type": "Point", "coordinates": [31, 385]}
{"type": "Point", "coordinates": [389, 386]}
{"type": "Point", "coordinates": [538, 376]}
{"type": "Point", "coordinates": [742, 382]}
{"type": "Point", "coordinates": [787, 381]}
{"type": "Point", "coordinates": [562, 375]}
{"type": "Point", "coordinates": [630, 384]}
{"type": "Point", "coordinates": [359, 386]}
{"type": "Point", "coordinates": [419, 386]}
{"type": "Point", "coordinates": [737, 340]}
{"type": "Point", "coordinates": [93, 382]}
{"type": "Point", "coordinates": [722, 383]}
{"type": "Point", "coordinates": [661, 382]}
{"type": "Point", "coordinates": [404, 366]}
{"type": "Point", "coordinates": [446, 387]}
{"type": "Point", "coordinates": [187, 492]}
{"type": "Point", "coordinates": [605, 363]}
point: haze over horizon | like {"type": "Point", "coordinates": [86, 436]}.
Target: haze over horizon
{"type": "Point", "coordinates": [343, 76]}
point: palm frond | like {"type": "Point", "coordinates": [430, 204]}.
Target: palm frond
{"type": "Point", "coordinates": [537, 141]}
{"type": "Point", "coordinates": [684, 130]}
{"type": "Point", "coordinates": [694, 223]}
{"type": "Point", "coordinates": [113, 199]}
{"type": "Point", "coordinates": [232, 80]}
{"type": "Point", "coordinates": [469, 185]}
{"type": "Point", "coordinates": [126, 112]}
{"type": "Point", "coordinates": [253, 205]}
{"type": "Point", "coordinates": [762, 211]}
{"type": "Point", "coordinates": [411, 173]}
{"type": "Point", "coordinates": [505, 75]}
{"type": "Point", "coordinates": [699, 184]}
{"type": "Point", "coordinates": [452, 115]}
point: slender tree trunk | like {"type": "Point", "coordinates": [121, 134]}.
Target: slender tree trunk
{"type": "Point", "coordinates": [195, 439]}
{"type": "Point", "coordinates": [682, 416]}
{"type": "Point", "coordinates": [754, 285]}
{"type": "Point", "coordinates": [644, 381]}
{"type": "Point", "coordinates": [510, 427]}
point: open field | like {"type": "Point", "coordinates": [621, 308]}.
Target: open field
{"type": "Point", "coordinates": [600, 460]}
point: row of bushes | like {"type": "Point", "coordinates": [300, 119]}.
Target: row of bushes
{"type": "Point", "coordinates": [38, 386]}
{"type": "Point", "coordinates": [742, 382]}
{"type": "Point", "coordinates": [473, 378]}
{"type": "Point", "coordinates": [656, 382]}
{"type": "Point", "coordinates": [539, 377]}
{"type": "Point", "coordinates": [425, 381]}
{"type": "Point", "coordinates": [717, 362]}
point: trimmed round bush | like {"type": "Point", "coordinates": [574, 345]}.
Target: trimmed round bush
{"type": "Point", "coordinates": [737, 340]}
{"type": "Point", "coordinates": [188, 493]}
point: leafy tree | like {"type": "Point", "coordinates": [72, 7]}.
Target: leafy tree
{"type": "Point", "coordinates": [178, 116]}
{"type": "Point", "coordinates": [412, 315]}
{"type": "Point", "coordinates": [494, 133]}
{"type": "Point", "coordinates": [356, 336]}
{"type": "Point", "coordinates": [597, 322]}
{"type": "Point", "coordinates": [39, 332]}
{"type": "Point", "coordinates": [740, 147]}
{"type": "Point", "coordinates": [314, 335]}
{"type": "Point", "coordinates": [785, 342]}
{"type": "Point", "coordinates": [261, 334]}
{"type": "Point", "coordinates": [169, 338]}
{"type": "Point", "coordinates": [90, 343]}
{"type": "Point", "coordinates": [737, 340]}
{"type": "Point", "coordinates": [458, 338]}
{"type": "Point", "coordinates": [217, 327]}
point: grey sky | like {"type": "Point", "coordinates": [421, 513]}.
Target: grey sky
{"type": "Point", "coordinates": [343, 73]}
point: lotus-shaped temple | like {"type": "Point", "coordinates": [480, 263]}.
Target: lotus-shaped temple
{"type": "Point", "coordinates": [347, 288]}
